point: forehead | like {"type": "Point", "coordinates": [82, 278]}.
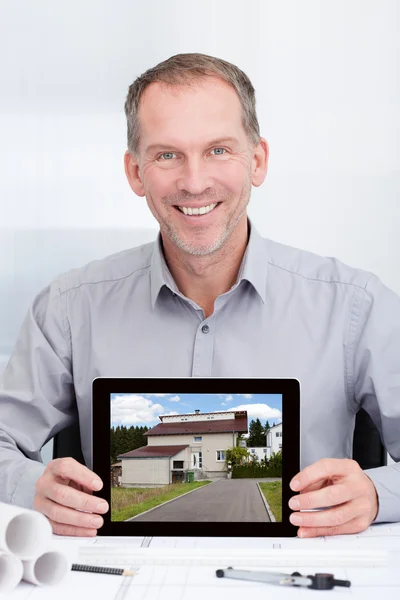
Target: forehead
{"type": "Point", "coordinates": [207, 106]}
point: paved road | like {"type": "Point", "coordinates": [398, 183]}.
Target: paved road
{"type": "Point", "coordinates": [224, 500]}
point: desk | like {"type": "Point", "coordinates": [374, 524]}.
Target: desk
{"type": "Point", "coordinates": [200, 583]}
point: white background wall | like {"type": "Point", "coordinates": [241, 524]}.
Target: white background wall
{"type": "Point", "coordinates": [327, 81]}
{"type": "Point", "coordinates": [326, 75]}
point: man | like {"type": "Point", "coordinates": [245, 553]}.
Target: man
{"type": "Point", "coordinates": [209, 298]}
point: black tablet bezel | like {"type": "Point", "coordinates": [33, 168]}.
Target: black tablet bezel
{"type": "Point", "coordinates": [289, 388]}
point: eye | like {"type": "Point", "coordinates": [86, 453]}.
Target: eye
{"type": "Point", "coordinates": [167, 154]}
{"type": "Point", "coordinates": [219, 153]}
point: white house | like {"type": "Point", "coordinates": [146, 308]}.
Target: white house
{"type": "Point", "coordinates": [274, 443]}
{"type": "Point", "coordinates": [194, 442]}
{"type": "Point", "coordinates": [261, 452]}
{"type": "Point", "coordinates": [274, 439]}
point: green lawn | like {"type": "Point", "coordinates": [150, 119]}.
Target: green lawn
{"type": "Point", "coordinates": [273, 494]}
{"type": "Point", "coordinates": [129, 502]}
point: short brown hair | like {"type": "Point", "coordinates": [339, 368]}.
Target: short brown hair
{"type": "Point", "coordinates": [184, 69]}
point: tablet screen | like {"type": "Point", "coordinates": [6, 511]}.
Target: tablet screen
{"type": "Point", "coordinates": [193, 456]}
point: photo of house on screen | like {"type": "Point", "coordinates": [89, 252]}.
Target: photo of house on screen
{"type": "Point", "coordinates": [191, 447]}
{"type": "Point", "coordinates": [274, 443]}
{"type": "Point", "coordinates": [184, 457]}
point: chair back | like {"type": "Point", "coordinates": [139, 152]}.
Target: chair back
{"type": "Point", "coordinates": [68, 443]}
{"type": "Point", "coordinates": [368, 449]}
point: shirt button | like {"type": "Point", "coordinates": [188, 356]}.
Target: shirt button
{"type": "Point", "coordinates": [205, 329]}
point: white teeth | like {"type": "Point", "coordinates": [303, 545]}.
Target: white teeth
{"type": "Point", "coordinates": [197, 211]}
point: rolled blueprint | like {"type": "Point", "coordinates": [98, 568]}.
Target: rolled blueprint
{"type": "Point", "coordinates": [48, 569]}
{"type": "Point", "coordinates": [11, 570]}
{"type": "Point", "coordinates": [23, 532]}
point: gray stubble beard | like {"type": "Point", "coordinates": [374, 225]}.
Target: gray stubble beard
{"type": "Point", "coordinates": [219, 242]}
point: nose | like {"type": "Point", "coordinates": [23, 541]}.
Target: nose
{"type": "Point", "coordinates": [194, 177]}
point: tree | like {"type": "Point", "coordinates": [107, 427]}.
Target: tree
{"type": "Point", "coordinates": [256, 434]}
{"type": "Point", "coordinates": [124, 439]}
{"type": "Point", "coordinates": [276, 460]}
{"type": "Point", "coordinates": [254, 460]}
{"type": "Point", "coordinates": [236, 455]}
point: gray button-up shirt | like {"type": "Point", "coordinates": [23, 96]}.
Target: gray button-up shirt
{"type": "Point", "coordinates": [291, 313]}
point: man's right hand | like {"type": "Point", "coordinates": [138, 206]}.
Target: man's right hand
{"type": "Point", "coordinates": [64, 496]}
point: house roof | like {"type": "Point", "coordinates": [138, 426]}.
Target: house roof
{"type": "Point", "coordinates": [276, 425]}
{"type": "Point", "coordinates": [238, 425]}
{"type": "Point", "coordinates": [117, 464]}
{"type": "Point", "coordinates": [153, 452]}
{"type": "Point", "coordinates": [212, 413]}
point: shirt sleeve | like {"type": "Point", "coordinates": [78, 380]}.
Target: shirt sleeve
{"type": "Point", "coordinates": [36, 395]}
{"type": "Point", "coordinates": [377, 386]}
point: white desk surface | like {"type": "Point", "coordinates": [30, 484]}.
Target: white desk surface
{"type": "Point", "coordinates": [201, 583]}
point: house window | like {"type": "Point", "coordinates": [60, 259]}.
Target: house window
{"type": "Point", "coordinates": [220, 455]}
{"type": "Point", "coordinates": [278, 434]}
{"type": "Point", "coordinates": [200, 460]}
{"type": "Point", "coordinates": [177, 464]}
{"type": "Point", "coordinates": [197, 438]}
{"type": "Point", "coordinates": [280, 445]}
{"type": "Point", "coordinates": [265, 450]}
{"type": "Point", "coordinates": [253, 450]}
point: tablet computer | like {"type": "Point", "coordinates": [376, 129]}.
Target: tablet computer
{"type": "Point", "coordinates": [196, 456]}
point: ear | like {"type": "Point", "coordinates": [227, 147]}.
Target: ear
{"type": "Point", "coordinates": [260, 162]}
{"type": "Point", "coordinates": [132, 174]}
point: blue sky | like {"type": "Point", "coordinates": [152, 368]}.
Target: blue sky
{"type": "Point", "coordinates": [144, 409]}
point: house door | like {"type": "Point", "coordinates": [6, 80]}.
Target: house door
{"type": "Point", "coordinates": [197, 460]}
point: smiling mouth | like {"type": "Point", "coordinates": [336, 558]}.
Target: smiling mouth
{"type": "Point", "coordinates": [202, 210]}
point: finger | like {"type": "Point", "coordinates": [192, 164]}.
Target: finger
{"type": "Point", "coordinates": [324, 469]}
{"type": "Point", "coordinates": [331, 495]}
{"type": "Point", "coordinates": [316, 486]}
{"type": "Point", "coordinates": [67, 516]}
{"type": "Point", "coordinates": [71, 469]}
{"type": "Point", "coordinates": [354, 526]}
{"type": "Point", "coordinates": [80, 487]}
{"type": "Point", "coordinates": [331, 517]}
{"type": "Point", "coordinates": [68, 496]}
{"type": "Point", "coordinates": [61, 529]}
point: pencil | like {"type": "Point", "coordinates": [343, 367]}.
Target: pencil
{"type": "Point", "coordinates": [105, 570]}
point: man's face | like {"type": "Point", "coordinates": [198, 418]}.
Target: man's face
{"type": "Point", "coordinates": [194, 162]}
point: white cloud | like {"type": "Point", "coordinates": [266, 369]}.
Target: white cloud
{"type": "Point", "coordinates": [259, 411]}
{"type": "Point", "coordinates": [228, 399]}
{"type": "Point", "coordinates": [128, 409]}
{"type": "Point", "coordinates": [174, 399]}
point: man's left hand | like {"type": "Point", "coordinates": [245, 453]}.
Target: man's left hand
{"type": "Point", "coordinates": [341, 485]}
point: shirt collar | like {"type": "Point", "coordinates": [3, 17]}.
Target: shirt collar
{"type": "Point", "coordinates": [159, 273]}
{"type": "Point", "coordinates": [255, 262]}
{"type": "Point", "coordinates": [252, 269]}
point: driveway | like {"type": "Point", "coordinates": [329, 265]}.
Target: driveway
{"type": "Point", "coordinates": [224, 500]}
